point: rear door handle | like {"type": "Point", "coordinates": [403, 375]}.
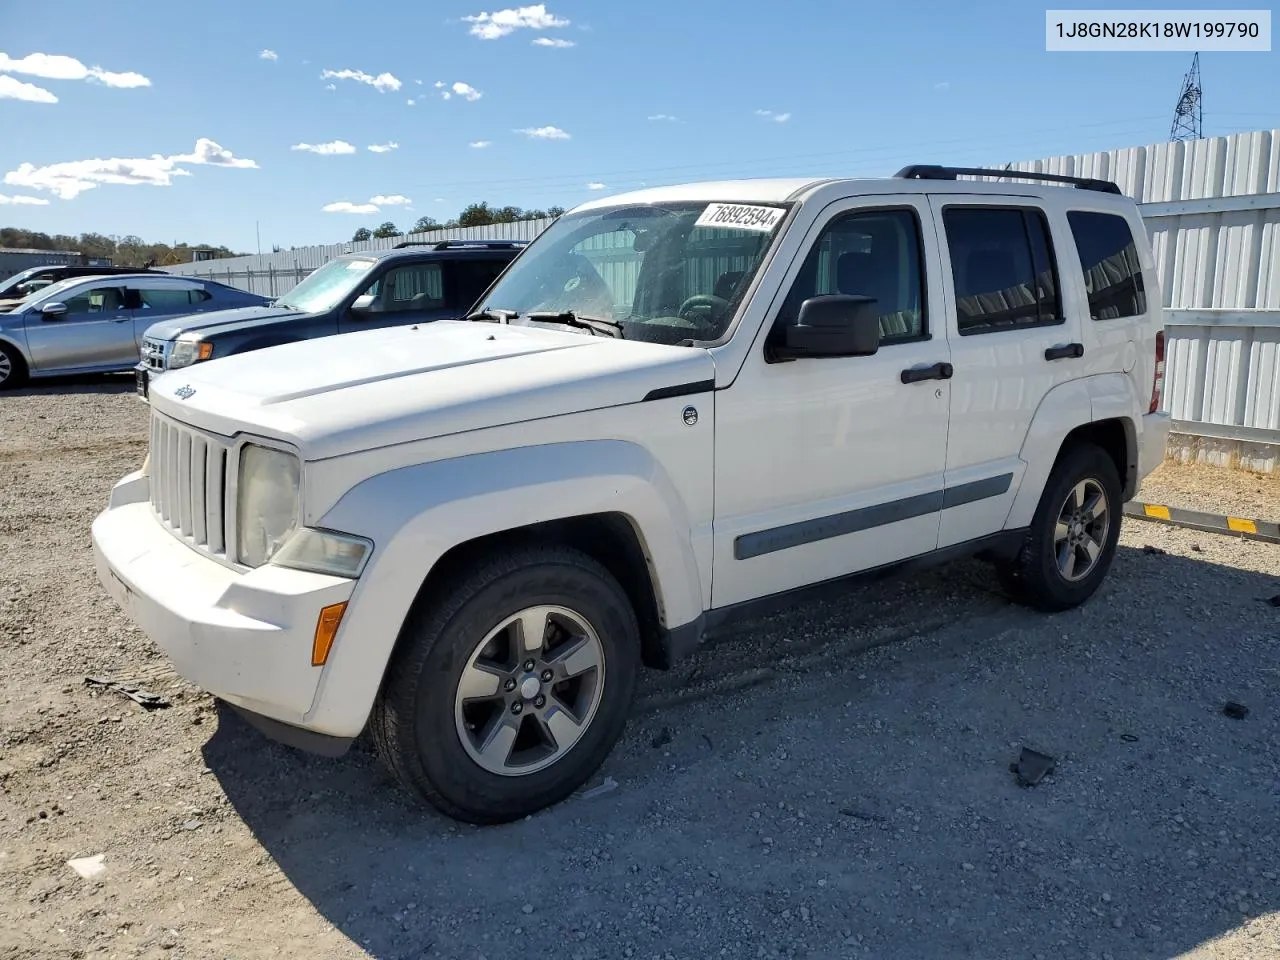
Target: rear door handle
{"type": "Point", "coordinates": [1065, 351]}
{"type": "Point", "coordinates": [939, 371]}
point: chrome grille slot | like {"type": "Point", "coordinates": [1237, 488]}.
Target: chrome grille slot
{"type": "Point", "coordinates": [188, 483]}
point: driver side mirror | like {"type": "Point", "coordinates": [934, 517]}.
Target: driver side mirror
{"type": "Point", "coordinates": [362, 303]}
{"type": "Point", "coordinates": [53, 311]}
{"type": "Point", "coordinates": [830, 326]}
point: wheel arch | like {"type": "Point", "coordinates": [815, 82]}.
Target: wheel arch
{"type": "Point", "coordinates": [1100, 410]}
{"type": "Point", "coordinates": [608, 498]}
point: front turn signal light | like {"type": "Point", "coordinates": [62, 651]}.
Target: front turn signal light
{"type": "Point", "coordinates": [326, 629]}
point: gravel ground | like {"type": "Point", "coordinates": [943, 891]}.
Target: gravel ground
{"type": "Point", "coordinates": [832, 782]}
{"type": "Point", "coordinates": [1209, 489]}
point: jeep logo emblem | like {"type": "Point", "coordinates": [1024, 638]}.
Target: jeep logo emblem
{"type": "Point", "coordinates": [690, 416]}
{"type": "Point", "coordinates": [187, 392]}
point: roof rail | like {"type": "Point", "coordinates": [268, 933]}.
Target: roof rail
{"type": "Point", "coordinates": [449, 244]}
{"type": "Point", "coordinates": [925, 171]}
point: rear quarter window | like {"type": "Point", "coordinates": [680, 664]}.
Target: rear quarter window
{"type": "Point", "coordinates": [1109, 261]}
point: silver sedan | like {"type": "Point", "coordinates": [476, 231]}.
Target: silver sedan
{"type": "Point", "coordinates": [95, 324]}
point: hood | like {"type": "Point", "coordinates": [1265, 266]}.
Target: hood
{"type": "Point", "coordinates": [217, 320]}
{"type": "Point", "coordinates": [359, 391]}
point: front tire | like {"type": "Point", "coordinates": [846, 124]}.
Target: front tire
{"type": "Point", "coordinates": [510, 689]}
{"type": "Point", "coordinates": [13, 370]}
{"type": "Point", "coordinates": [1072, 539]}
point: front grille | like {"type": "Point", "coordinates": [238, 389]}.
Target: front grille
{"type": "Point", "coordinates": [188, 472]}
{"type": "Point", "coordinates": [153, 353]}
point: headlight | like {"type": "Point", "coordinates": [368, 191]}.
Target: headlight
{"type": "Point", "coordinates": [267, 502]}
{"type": "Point", "coordinates": [186, 352]}
{"type": "Point", "coordinates": [324, 551]}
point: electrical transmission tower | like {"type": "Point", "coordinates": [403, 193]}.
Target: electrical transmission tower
{"type": "Point", "coordinates": [1188, 119]}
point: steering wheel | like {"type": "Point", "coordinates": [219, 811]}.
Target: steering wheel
{"type": "Point", "coordinates": [707, 307]}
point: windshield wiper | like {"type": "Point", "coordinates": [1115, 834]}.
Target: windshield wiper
{"type": "Point", "coordinates": [597, 325]}
{"type": "Point", "coordinates": [501, 316]}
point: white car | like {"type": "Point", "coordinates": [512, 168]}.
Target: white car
{"type": "Point", "coordinates": [675, 406]}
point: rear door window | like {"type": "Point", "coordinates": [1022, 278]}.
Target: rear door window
{"type": "Point", "coordinates": [1002, 267]}
{"type": "Point", "coordinates": [469, 279]}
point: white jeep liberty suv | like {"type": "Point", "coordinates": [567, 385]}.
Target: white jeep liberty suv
{"type": "Point", "coordinates": [673, 406]}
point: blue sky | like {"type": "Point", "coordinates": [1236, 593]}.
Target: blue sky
{"type": "Point", "coordinates": [208, 132]}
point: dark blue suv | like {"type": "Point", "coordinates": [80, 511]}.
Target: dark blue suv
{"type": "Point", "coordinates": [413, 283]}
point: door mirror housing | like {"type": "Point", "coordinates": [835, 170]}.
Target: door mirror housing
{"type": "Point", "coordinates": [835, 325]}
{"type": "Point", "coordinates": [362, 303]}
{"type": "Point", "coordinates": [53, 311]}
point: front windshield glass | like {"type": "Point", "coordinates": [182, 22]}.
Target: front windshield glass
{"type": "Point", "coordinates": [8, 287]}
{"type": "Point", "coordinates": [663, 272]}
{"type": "Point", "coordinates": [51, 293]}
{"type": "Point", "coordinates": [324, 288]}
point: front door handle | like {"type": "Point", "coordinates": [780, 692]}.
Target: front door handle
{"type": "Point", "coordinates": [1065, 351]}
{"type": "Point", "coordinates": [939, 371]}
{"type": "Point", "coordinates": [121, 319]}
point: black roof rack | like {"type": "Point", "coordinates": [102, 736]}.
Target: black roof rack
{"type": "Point", "coordinates": [925, 171]}
{"type": "Point", "coordinates": [450, 244]}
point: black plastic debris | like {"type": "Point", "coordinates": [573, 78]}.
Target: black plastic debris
{"type": "Point", "coordinates": [1154, 551]}
{"type": "Point", "coordinates": [1274, 601]}
{"type": "Point", "coordinates": [1128, 738]}
{"type": "Point", "coordinates": [864, 815]}
{"type": "Point", "coordinates": [146, 699]}
{"type": "Point", "coordinates": [710, 745]}
{"type": "Point", "coordinates": [663, 738]}
{"type": "Point", "coordinates": [1032, 767]}
{"type": "Point", "coordinates": [1236, 711]}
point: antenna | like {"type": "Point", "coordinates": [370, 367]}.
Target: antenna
{"type": "Point", "coordinates": [1188, 119]}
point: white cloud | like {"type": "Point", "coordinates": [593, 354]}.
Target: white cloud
{"type": "Point", "coordinates": [942, 87]}
{"type": "Point", "coordinates": [595, 185]}
{"type": "Point", "coordinates": [383, 147]}
{"type": "Point", "coordinates": [544, 133]}
{"type": "Point", "coordinates": [466, 91]}
{"type": "Point", "coordinates": [554, 42]}
{"type": "Point", "coordinates": [439, 200]}
{"type": "Point", "coordinates": [331, 86]}
{"type": "Point", "coordinates": [479, 144]}
{"type": "Point", "coordinates": [330, 149]}
{"type": "Point", "coordinates": [382, 82]}
{"type": "Point", "coordinates": [668, 118]}
{"type": "Point", "coordinates": [56, 67]}
{"type": "Point", "coordinates": [410, 102]}
{"type": "Point", "coordinates": [418, 82]}
{"type": "Point", "coordinates": [268, 55]}
{"type": "Point", "coordinates": [13, 89]}
{"type": "Point", "coordinates": [346, 206]}
{"type": "Point", "coordinates": [775, 117]}
{"type": "Point", "coordinates": [500, 23]}
{"type": "Point", "coordinates": [213, 154]}
{"type": "Point", "coordinates": [394, 200]}
{"type": "Point", "coordinates": [24, 201]}
{"type": "Point", "coordinates": [71, 178]}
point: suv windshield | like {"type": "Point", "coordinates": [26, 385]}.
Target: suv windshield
{"type": "Point", "coordinates": [8, 288]}
{"type": "Point", "coordinates": [664, 272]}
{"type": "Point", "coordinates": [324, 288]}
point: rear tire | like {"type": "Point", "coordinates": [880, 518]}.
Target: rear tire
{"type": "Point", "coordinates": [1071, 542]}
{"type": "Point", "coordinates": [13, 369]}
{"type": "Point", "coordinates": [462, 719]}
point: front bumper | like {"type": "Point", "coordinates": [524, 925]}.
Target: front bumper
{"type": "Point", "coordinates": [245, 637]}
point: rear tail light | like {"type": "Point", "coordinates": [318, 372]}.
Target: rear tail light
{"type": "Point", "coordinates": [1157, 382]}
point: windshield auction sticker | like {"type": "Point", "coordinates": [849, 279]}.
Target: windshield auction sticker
{"type": "Point", "coordinates": [737, 216]}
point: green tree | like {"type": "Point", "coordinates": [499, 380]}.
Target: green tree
{"type": "Point", "coordinates": [387, 229]}
{"type": "Point", "coordinates": [361, 235]}
{"type": "Point", "coordinates": [476, 215]}
{"type": "Point", "coordinates": [424, 224]}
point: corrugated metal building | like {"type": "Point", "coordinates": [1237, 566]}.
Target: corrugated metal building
{"type": "Point", "coordinates": [15, 260]}
{"type": "Point", "coordinates": [1212, 208]}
